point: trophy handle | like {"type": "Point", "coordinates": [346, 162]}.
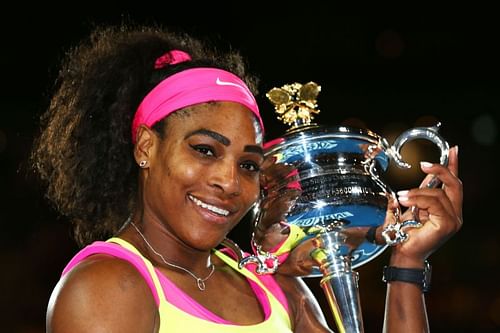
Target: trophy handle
{"type": "Point", "coordinates": [428, 133]}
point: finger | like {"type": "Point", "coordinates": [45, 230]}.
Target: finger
{"type": "Point", "coordinates": [436, 203]}
{"type": "Point", "coordinates": [452, 166]}
{"type": "Point", "coordinates": [392, 210]}
{"type": "Point", "coordinates": [453, 161]}
{"type": "Point", "coordinates": [434, 194]}
{"type": "Point", "coordinates": [448, 174]}
{"type": "Point", "coordinates": [452, 185]}
{"type": "Point", "coordinates": [427, 180]}
{"type": "Point", "coordinates": [426, 199]}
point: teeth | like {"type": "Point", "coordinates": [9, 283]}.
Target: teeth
{"type": "Point", "coordinates": [211, 208]}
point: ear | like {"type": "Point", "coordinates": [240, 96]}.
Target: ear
{"type": "Point", "coordinates": [145, 145]}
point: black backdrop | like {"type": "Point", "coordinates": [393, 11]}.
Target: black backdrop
{"type": "Point", "coordinates": [385, 72]}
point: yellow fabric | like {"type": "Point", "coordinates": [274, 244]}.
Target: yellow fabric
{"type": "Point", "coordinates": [174, 320]}
{"type": "Point", "coordinates": [294, 238]}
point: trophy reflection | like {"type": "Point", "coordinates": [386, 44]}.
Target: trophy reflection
{"type": "Point", "coordinates": [326, 180]}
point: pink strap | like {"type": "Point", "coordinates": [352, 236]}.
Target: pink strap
{"type": "Point", "coordinates": [176, 296]}
{"type": "Point", "coordinates": [267, 279]}
{"type": "Point", "coordinates": [117, 251]}
{"type": "Point", "coordinates": [190, 87]}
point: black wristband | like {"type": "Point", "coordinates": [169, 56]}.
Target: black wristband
{"type": "Point", "coordinates": [421, 277]}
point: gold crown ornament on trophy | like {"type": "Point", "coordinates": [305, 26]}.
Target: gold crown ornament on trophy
{"type": "Point", "coordinates": [295, 103]}
{"type": "Point", "coordinates": [325, 182]}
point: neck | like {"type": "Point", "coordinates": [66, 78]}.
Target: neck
{"type": "Point", "coordinates": [156, 241]}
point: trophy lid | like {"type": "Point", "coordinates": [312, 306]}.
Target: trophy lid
{"type": "Point", "coordinates": [295, 103]}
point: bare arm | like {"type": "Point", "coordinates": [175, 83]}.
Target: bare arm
{"type": "Point", "coordinates": [307, 316]}
{"type": "Point", "coordinates": [405, 309]}
{"type": "Point", "coordinates": [102, 294]}
{"type": "Point", "coordinates": [441, 215]}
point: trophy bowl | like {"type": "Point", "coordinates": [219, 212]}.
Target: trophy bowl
{"type": "Point", "coordinates": [329, 185]}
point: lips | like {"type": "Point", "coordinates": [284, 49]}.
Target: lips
{"type": "Point", "coordinates": [213, 208]}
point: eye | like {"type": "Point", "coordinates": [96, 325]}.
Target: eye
{"type": "Point", "coordinates": [250, 166]}
{"type": "Point", "coordinates": [204, 150]}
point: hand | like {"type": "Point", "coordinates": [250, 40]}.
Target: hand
{"type": "Point", "coordinates": [440, 212]}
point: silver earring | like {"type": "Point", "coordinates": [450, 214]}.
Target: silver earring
{"type": "Point", "coordinates": [143, 163]}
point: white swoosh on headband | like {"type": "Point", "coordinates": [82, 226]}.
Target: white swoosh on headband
{"type": "Point", "coordinates": [225, 83]}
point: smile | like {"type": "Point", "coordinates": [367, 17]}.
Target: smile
{"type": "Point", "coordinates": [213, 209]}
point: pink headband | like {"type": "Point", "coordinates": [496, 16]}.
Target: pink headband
{"type": "Point", "coordinates": [190, 87]}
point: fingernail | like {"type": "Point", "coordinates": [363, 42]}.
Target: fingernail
{"type": "Point", "coordinates": [403, 196]}
{"type": "Point", "coordinates": [403, 199]}
{"type": "Point", "coordinates": [424, 164]}
{"type": "Point", "coordinates": [456, 150]}
{"type": "Point", "coordinates": [403, 193]}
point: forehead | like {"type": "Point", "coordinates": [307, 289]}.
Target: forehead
{"type": "Point", "coordinates": [227, 118]}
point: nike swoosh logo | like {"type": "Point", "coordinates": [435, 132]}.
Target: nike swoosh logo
{"type": "Point", "coordinates": [225, 83]}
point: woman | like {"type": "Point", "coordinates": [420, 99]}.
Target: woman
{"type": "Point", "coordinates": [155, 139]}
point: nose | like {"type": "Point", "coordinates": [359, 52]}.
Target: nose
{"type": "Point", "coordinates": [225, 176]}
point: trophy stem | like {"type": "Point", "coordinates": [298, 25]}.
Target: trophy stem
{"type": "Point", "coordinates": [340, 282]}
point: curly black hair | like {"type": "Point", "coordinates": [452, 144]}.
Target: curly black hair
{"type": "Point", "coordinates": [84, 152]}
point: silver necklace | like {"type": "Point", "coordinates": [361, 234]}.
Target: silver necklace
{"type": "Point", "coordinates": [199, 281]}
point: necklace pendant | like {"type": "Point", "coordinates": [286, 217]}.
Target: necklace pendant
{"type": "Point", "coordinates": [201, 284]}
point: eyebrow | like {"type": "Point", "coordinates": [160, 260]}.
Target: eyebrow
{"type": "Point", "coordinates": [224, 140]}
{"type": "Point", "coordinates": [214, 135]}
{"type": "Point", "coordinates": [254, 149]}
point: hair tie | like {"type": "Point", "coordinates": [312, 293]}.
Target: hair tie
{"type": "Point", "coordinates": [171, 58]}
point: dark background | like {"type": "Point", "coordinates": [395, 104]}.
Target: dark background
{"type": "Point", "coordinates": [386, 72]}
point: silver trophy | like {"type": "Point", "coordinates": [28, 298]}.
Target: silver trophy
{"type": "Point", "coordinates": [326, 180]}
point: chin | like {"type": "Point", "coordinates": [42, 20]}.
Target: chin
{"type": "Point", "coordinates": [206, 242]}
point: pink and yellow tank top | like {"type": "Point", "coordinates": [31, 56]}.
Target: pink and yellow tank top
{"type": "Point", "coordinates": [178, 311]}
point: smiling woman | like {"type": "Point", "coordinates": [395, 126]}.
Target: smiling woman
{"type": "Point", "coordinates": [153, 142]}
{"type": "Point", "coordinates": [152, 146]}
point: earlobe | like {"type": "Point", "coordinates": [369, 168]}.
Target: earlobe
{"type": "Point", "coordinates": [144, 146]}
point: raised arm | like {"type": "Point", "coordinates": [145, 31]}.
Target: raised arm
{"type": "Point", "coordinates": [440, 211]}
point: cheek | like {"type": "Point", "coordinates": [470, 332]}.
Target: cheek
{"type": "Point", "coordinates": [185, 173]}
{"type": "Point", "coordinates": [189, 171]}
{"type": "Point", "coordinates": [174, 173]}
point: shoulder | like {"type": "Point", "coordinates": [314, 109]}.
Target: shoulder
{"type": "Point", "coordinates": [307, 315]}
{"type": "Point", "coordinates": [101, 293]}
